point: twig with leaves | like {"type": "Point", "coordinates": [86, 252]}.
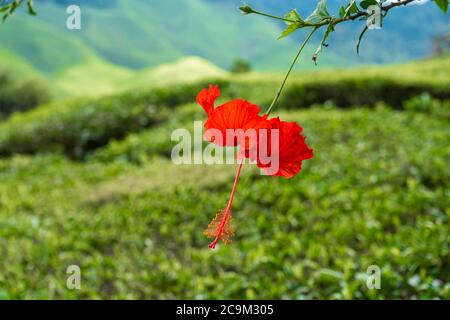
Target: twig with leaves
{"type": "Point", "coordinates": [7, 8]}
{"type": "Point", "coordinates": [321, 17]}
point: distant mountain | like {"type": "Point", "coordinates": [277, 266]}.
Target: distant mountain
{"type": "Point", "coordinates": [138, 34]}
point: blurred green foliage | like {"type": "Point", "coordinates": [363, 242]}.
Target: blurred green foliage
{"type": "Point", "coordinates": [348, 87]}
{"type": "Point", "coordinates": [18, 94]}
{"type": "Point", "coordinates": [143, 146]}
{"type": "Point", "coordinates": [80, 125]}
{"type": "Point", "coordinates": [70, 126]}
{"type": "Point", "coordinates": [376, 193]}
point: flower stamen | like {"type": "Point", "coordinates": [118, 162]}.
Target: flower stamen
{"type": "Point", "coordinates": [221, 227]}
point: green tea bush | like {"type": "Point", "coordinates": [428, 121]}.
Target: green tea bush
{"type": "Point", "coordinates": [78, 126]}
{"type": "Point", "coordinates": [425, 103]}
{"type": "Point", "coordinates": [20, 95]}
{"type": "Point", "coordinates": [376, 193]}
{"type": "Point", "coordinates": [359, 91]}
{"type": "Point", "coordinates": [154, 142]}
{"type": "Point", "coordinates": [351, 87]}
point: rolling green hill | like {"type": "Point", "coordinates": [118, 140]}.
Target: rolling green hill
{"type": "Point", "coordinates": [188, 69]}
{"type": "Point", "coordinates": [121, 42]}
{"type": "Point", "coordinates": [70, 126]}
{"type": "Point", "coordinates": [99, 77]}
{"type": "Point", "coordinates": [138, 34]}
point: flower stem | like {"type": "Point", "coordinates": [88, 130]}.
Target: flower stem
{"type": "Point", "coordinates": [289, 71]}
{"type": "Point", "coordinates": [212, 245]}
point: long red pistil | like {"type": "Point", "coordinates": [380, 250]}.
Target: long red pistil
{"type": "Point", "coordinates": [212, 245]}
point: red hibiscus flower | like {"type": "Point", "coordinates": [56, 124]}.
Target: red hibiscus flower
{"type": "Point", "coordinates": [234, 123]}
{"type": "Point", "coordinates": [282, 142]}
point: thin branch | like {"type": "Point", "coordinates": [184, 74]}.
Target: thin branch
{"type": "Point", "coordinates": [331, 22]}
{"type": "Point", "coordinates": [396, 4]}
{"type": "Point", "coordinates": [360, 38]}
{"type": "Point", "coordinates": [335, 21]}
{"type": "Point", "coordinates": [289, 71]}
{"type": "Point", "coordinates": [272, 16]}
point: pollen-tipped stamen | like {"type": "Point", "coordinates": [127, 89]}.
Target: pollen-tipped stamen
{"type": "Point", "coordinates": [224, 216]}
{"type": "Point", "coordinates": [215, 228]}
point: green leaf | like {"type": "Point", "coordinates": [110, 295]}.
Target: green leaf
{"type": "Point", "coordinates": [351, 8]}
{"type": "Point", "coordinates": [30, 8]}
{"type": "Point", "coordinates": [319, 14]}
{"type": "Point", "coordinates": [342, 11]}
{"type": "Point", "coordinates": [367, 3]}
{"type": "Point", "coordinates": [293, 16]}
{"type": "Point", "coordinates": [13, 6]}
{"type": "Point", "coordinates": [443, 4]}
{"type": "Point", "coordinates": [290, 28]}
{"type": "Point", "coordinates": [295, 22]}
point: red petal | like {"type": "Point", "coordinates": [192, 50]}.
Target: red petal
{"type": "Point", "coordinates": [207, 97]}
{"type": "Point", "coordinates": [235, 115]}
